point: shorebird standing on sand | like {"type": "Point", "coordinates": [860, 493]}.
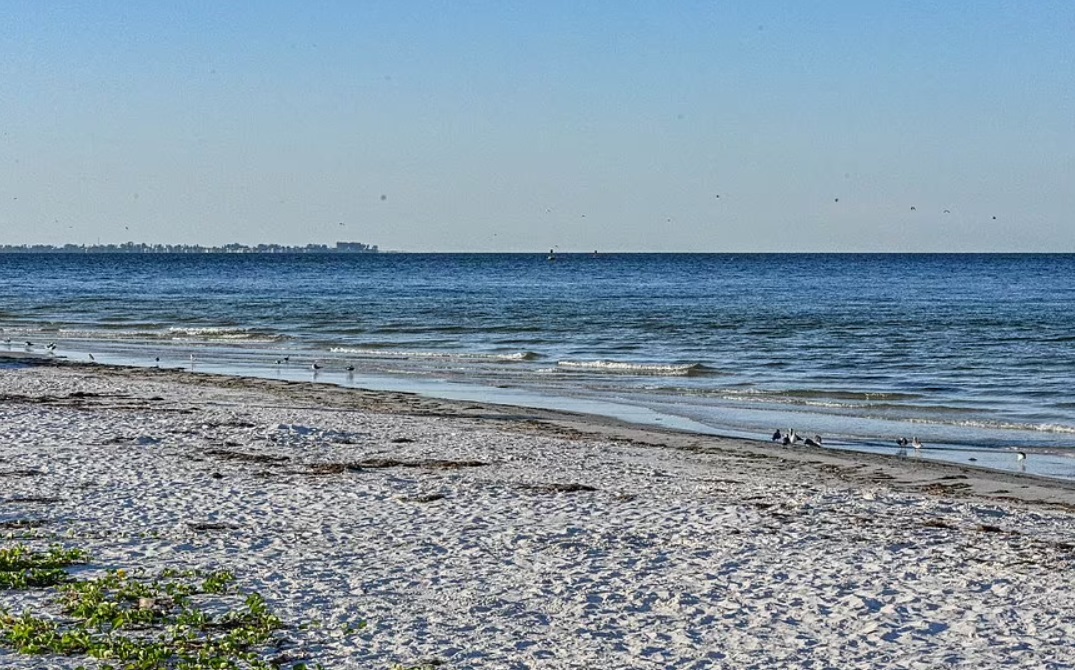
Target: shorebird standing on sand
{"type": "Point", "coordinates": [315, 367]}
{"type": "Point", "coordinates": [778, 436]}
{"type": "Point", "coordinates": [814, 441]}
{"type": "Point", "coordinates": [791, 437]}
{"type": "Point", "coordinates": [916, 444]}
{"type": "Point", "coordinates": [1020, 457]}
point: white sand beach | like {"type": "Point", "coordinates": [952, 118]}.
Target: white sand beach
{"type": "Point", "coordinates": [476, 536]}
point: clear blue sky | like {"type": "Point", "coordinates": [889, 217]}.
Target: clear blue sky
{"type": "Point", "coordinates": [523, 126]}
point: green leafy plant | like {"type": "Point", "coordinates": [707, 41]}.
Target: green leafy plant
{"type": "Point", "coordinates": [173, 620]}
{"type": "Point", "coordinates": [24, 568]}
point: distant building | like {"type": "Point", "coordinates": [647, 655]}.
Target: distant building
{"type": "Point", "coordinates": [355, 248]}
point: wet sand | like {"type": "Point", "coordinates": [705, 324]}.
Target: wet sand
{"type": "Point", "coordinates": [497, 537]}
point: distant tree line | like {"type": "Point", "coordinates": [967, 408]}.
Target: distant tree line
{"type": "Point", "coordinates": [235, 248]}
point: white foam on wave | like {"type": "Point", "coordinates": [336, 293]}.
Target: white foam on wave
{"type": "Point", "coordinates": [217, 333]}
{"type": "Point", "coordinates": [626, 368]}
{"type": "Point", "coordinates": [1004, 425]}
{"type": "Point", "coordinates": [512, 357]}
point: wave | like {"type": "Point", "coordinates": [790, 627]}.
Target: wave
{"type": "Point", "coordinates": [625, 368]}
{"type": "Point", "coordinates": [1058, 428]}
{"type": "Point", "coordinates": [216, 333]}
{"type": "Point", "coordinates": [513, 357]}
{"type": "Point", "coordinates": [846, 395]}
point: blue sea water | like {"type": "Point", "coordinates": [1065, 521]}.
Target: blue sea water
{"type": "Point", "coordinates": [974, 354]}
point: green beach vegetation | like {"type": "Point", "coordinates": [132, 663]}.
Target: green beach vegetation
{"type": "Point", "coordinates": [172, 620]}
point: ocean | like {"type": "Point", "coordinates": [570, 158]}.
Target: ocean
{"type": "Point", "coordinates": [973, 354]}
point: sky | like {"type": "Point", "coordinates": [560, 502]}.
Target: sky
{"type": "Point", "coordinates": [836, 125]}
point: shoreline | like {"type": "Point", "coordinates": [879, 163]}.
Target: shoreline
{"type": "Point", "coordinates": [1033, 487]}
{"type": "Point", "coordinates": [481, 535]}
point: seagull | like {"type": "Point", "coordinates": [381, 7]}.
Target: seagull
{"type": "Point", "coordinates": [902, 443]}
{"type": "Point", "coordinates": [51, 347]}
{"type": "Point", "coordinates": [814, 441]}
{"type": "Point", "coordinates": [947, 211]}
{"type": "Point", "coordinates": [287, 359]}
{"type": "Point", "coordinates": [1021, 457]}
{"type": "Point", "coordinates": [778, 436]}
{"type": "Point", "coordinates": [916, 443]}
{"type": "Point", "coordinates": [314, 366]}
{"type": "Point", "coordinates": [350, 368]}
{"type": "Point", "coordinates": [29, 344]}
{"type": "Point", "coordinates": [791, 437]}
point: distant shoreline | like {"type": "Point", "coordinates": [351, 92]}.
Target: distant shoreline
{"type": "Point", "coordinates": [166, 249]}
{"type": "Point", "coordinates": [234, 248]}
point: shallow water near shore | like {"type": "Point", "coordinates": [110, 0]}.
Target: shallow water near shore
{"type": "Point", "coordinates": [971, 353]}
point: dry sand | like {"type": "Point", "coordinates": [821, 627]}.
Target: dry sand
{"type": "Point", "coordinates": [497, 537]}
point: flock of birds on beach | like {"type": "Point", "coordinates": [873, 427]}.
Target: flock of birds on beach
{"type": "Point", "coordinates": [786, 437]}
{"type": "Point", "coordinates": [789, 438]}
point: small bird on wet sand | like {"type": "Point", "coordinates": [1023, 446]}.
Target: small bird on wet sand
{"type": "Point", "coordinates": [791, 437]}
{"type": "Point", "coordinates": [778, 436]}
{"type": "Point", "coordinates": [916, 443]}
{"type": "Point", "coordinates": [1020, 457]}
{"type": "Point", "coordinates": [902, 443]}
{"type": "Point", "coordinates": [314, 366]}
{"type": "Point", "coordinates": [814, 441]}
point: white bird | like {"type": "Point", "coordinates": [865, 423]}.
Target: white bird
{"type": "Point", "coordinates": [791, 437]}
{"type": "Point", "coordinates": [916, 443]}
